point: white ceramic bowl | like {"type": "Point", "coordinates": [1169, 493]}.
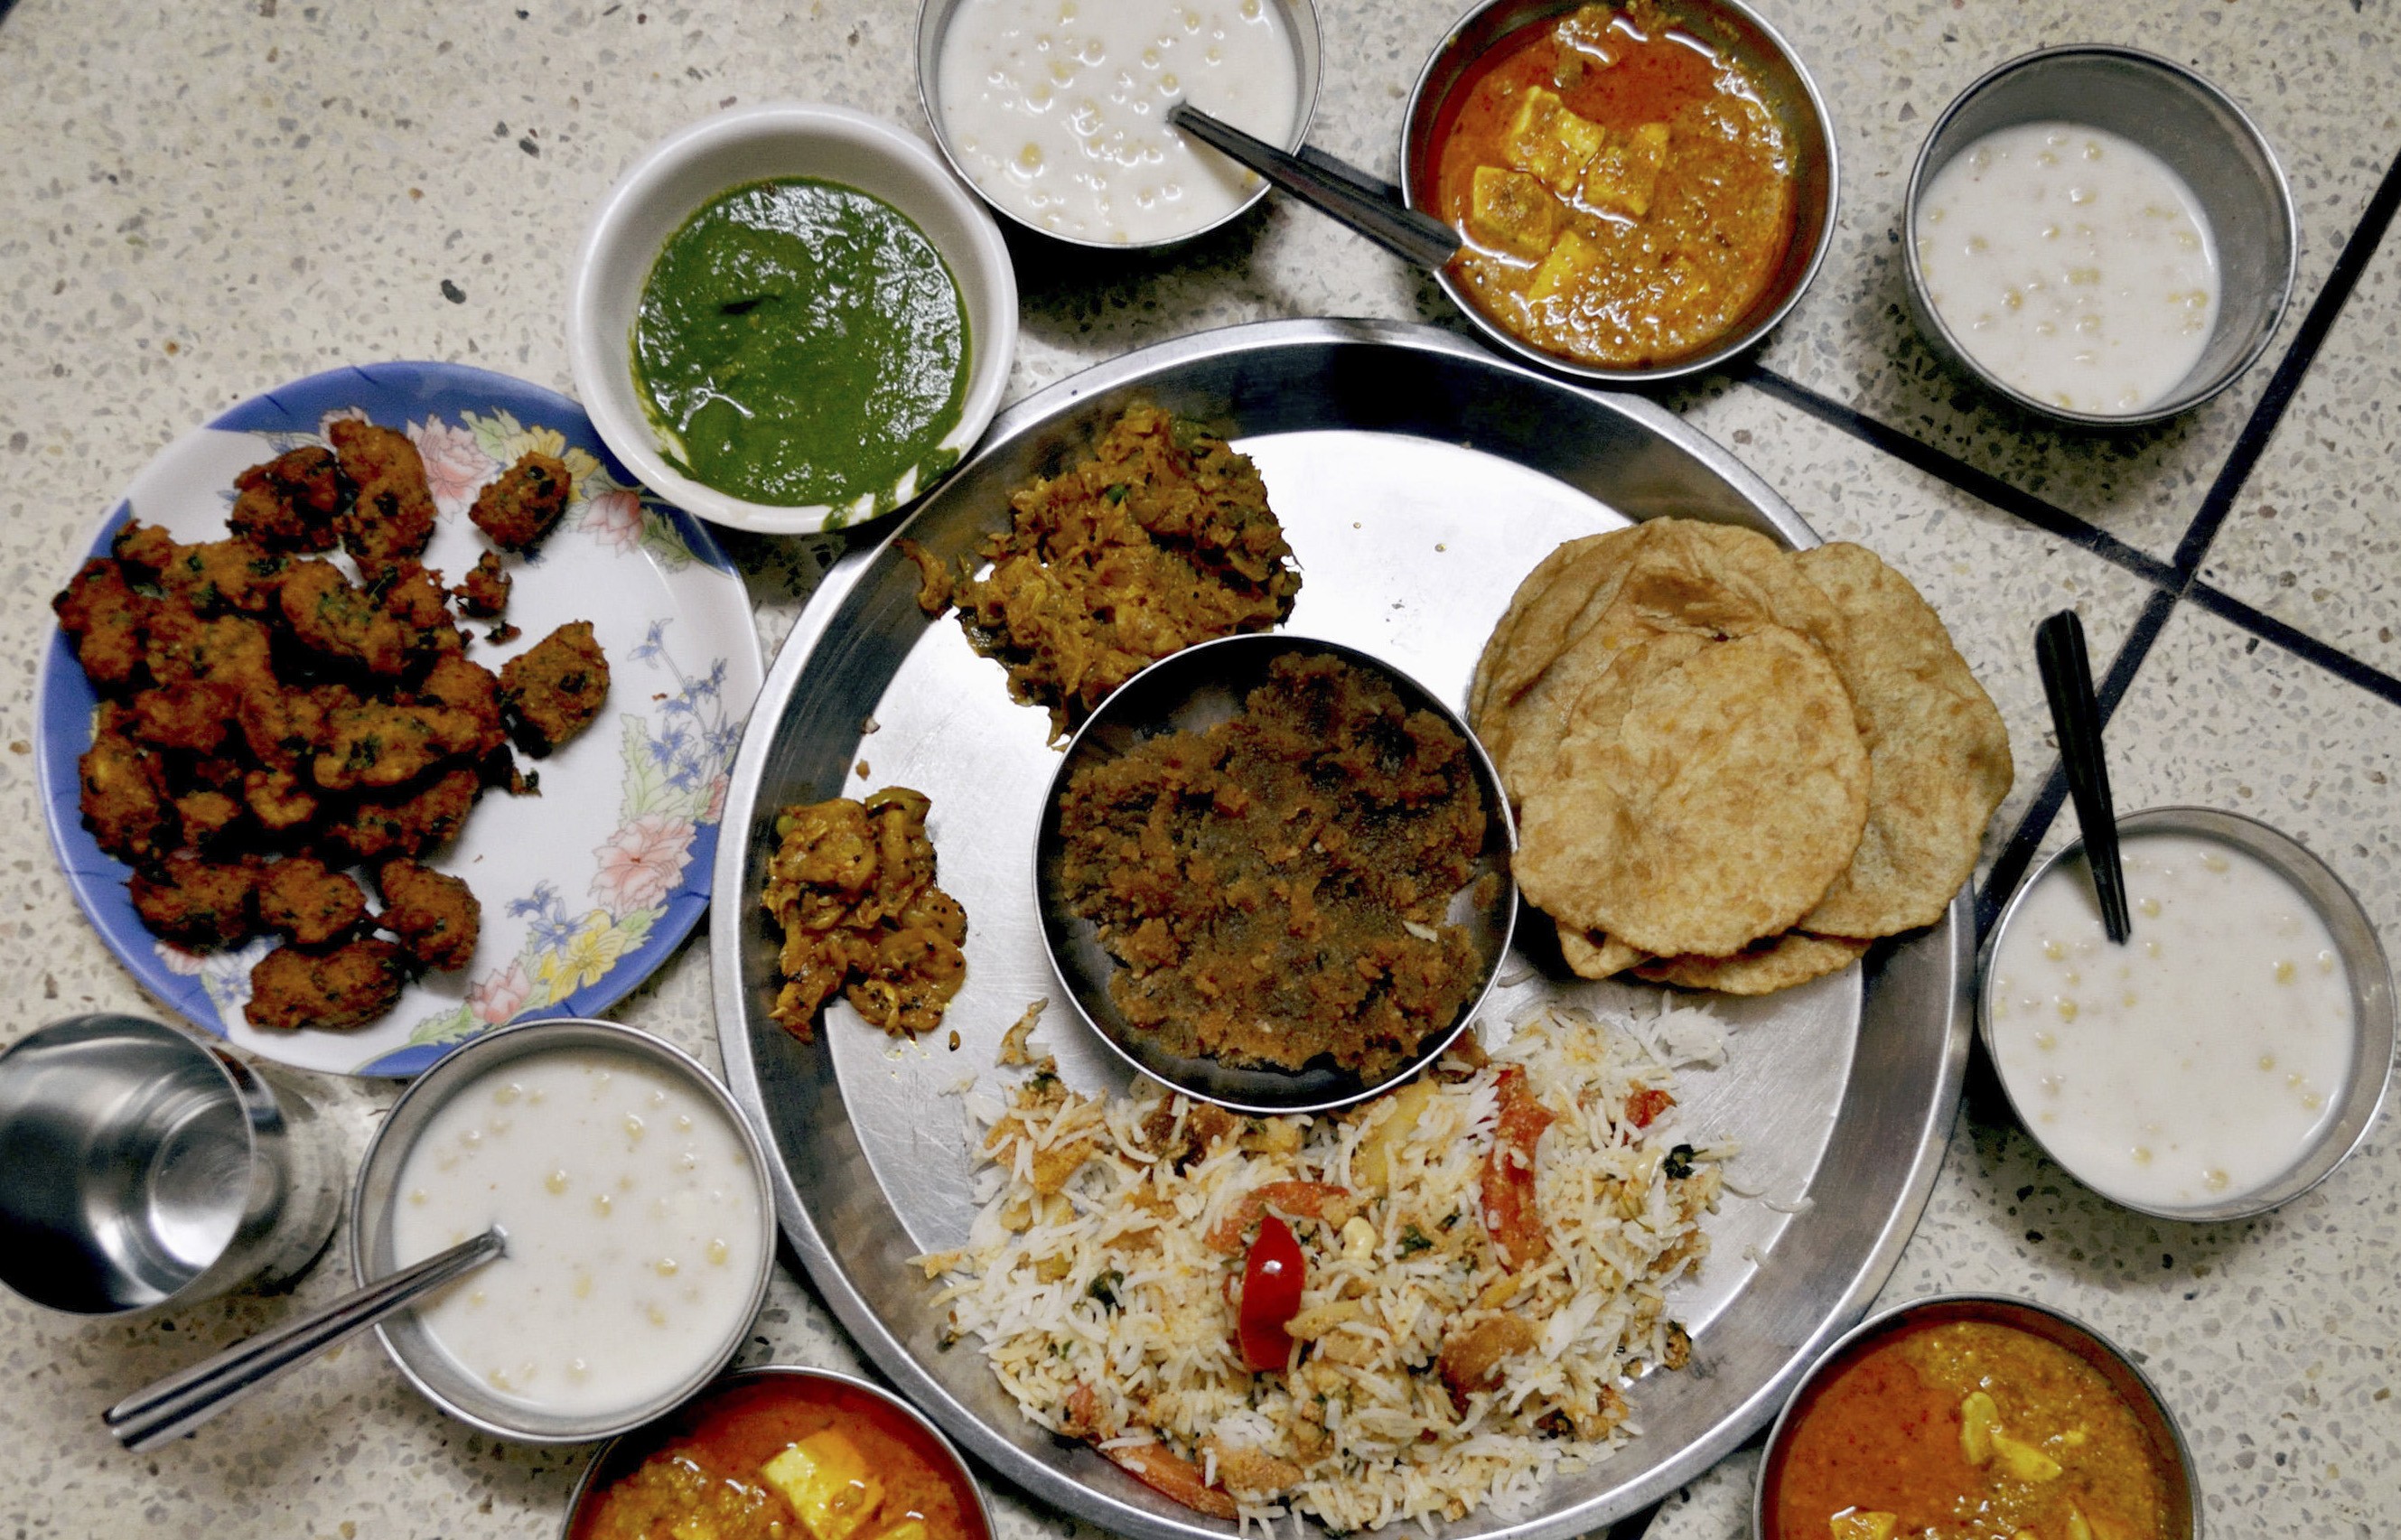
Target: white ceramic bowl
{"type": "Point", "coordinates": [684, 171]}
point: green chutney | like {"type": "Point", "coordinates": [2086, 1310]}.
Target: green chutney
{"type": "Point", "coordinates": [802, 342]}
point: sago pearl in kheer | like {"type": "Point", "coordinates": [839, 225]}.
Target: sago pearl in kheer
{"type": "Point", "coordinates": [2196, 1063]}
{"type": "Point", "coordinates": [633, 1228]}
{"type": "Point", "coordinates": [2072, 263]}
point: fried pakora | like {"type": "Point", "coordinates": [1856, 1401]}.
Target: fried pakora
{"type": "Point", "coordinates": [124, 797]}
{"type": "Point", "coordinates": [290, 503]}
{"type": "Point", "coordinates": [467, 687]}
{"type": "Point", "coordinates": [407, 825]}
{"type": "Point", "coordinates": [415, 597]}
{"type": "Point", "coordinates": [374, 747]}
{"type": "Point", "coordinates": [332, 618]}
{"type": "Point", "coordinates": [391, 513]}
{"type": "Point", "coordinates": [852, 884]}
{"type": "Point", "coordinates": [197, 903]}
{"type": "Point", "coordinates": [353, 984]}
{"type": "Point", "coordinates": [484, 593]}
{"type": "Point", "coordinates": [519, 508]}
{"type": "Point", "coordinates": [304, 900]}
{"type": "Point", "coordinates": [437, 919]}
{"type": "Point", "coordinates": [1162, 538]}
{"type": "Point", "coordinates": [103, 618]}
{"type": "Point", "coordinates": [212, 577]}
{"type": "Point", "coordinates": [267, 719]}
{"type": "Point", "coordinates": [208, 817]}
{"type": "Point", "coordinates": [553, 690]}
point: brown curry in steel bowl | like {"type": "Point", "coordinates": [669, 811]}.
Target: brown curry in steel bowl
{"type": "Point", "coordinates": [1640, 190]}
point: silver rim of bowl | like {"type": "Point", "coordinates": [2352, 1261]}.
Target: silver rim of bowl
{"type": "Point", "coordinates": [1412, 120]}
{"type": "Point", "coordinates": [756, 1374]}
{"type": "Point", "coordinates": [443, 1080]}
{"type": "Point", "coordinates": [2175, 404]}
{"type": "Point", "coordinates": [1431, 1048]}
{"type": "Point", "coordinates": [1969, 1305]}
{"type": "Point", "coordinates": [933, 22]}
{"type": "Point", "coordinates": [2355, 940]}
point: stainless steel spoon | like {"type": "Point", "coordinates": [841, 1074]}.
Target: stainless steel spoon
{"type": "Point", "coordinates": [182, 1401]}
{"type": "Point", "coordinates": [1339, 191]}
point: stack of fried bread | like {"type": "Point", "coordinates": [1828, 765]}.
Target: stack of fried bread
{"type": "Point", "coordinates": [1733, 765]}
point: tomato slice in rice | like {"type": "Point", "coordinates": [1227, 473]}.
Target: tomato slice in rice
{"type": "Point", "coordinates": [1272, 1277]}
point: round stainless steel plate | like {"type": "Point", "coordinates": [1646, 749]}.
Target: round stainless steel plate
{"type": "Point", "coordinates": [1418, 479]}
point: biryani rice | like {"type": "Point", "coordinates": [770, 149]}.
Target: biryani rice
{"type": "Point", "coordinates": [1091, 1279]}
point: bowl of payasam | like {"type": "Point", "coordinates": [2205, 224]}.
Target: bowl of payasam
{"type": "Point", "coordinates": [2226, 1057]}
{"type": "Point", "coordinates": [1975, 1414]}
{"type": "Point", "coordinates": [1641, 190]}
{"type": "Point", "coordinates": [2098, 234]}
{"type": "Point", "coordinates": [791, 317]}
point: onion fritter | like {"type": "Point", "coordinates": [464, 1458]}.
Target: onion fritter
{"type": "Point", "coordinates": [303, 900]}
{"type": "Point", "coordinates": [391, 516]}
{"type": "Point", "coordinates": [290, 503]}
{"type": "Point", "coordinates": [519, 508]}
{"type": "Point", "coordinates": [353, 984]}
{"type": "Point", "coordinates": [437, 919]}
{"type": "Point", "coordinates": [1163, 539]}
{"type": "Point", "coordinates": [551, 690]}
{"type": "Point", "coordinates": [852, 884]}
{"type": "Point", "coordinates": [196, 902]}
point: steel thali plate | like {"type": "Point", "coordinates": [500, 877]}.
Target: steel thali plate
{"type": "Point", "coordinates": [1417, 480]}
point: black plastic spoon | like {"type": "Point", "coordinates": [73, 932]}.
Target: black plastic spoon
{"type": "Point", "coordinates": [2067, 679]}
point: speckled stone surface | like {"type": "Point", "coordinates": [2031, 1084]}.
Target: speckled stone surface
{"type": "Point", "coordinates": [2313, 540]}
{"type": "Point", "coordinates": [197, 202]}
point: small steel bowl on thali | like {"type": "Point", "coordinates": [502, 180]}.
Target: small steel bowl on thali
{"type": "Point", "coordinates": [1192, 690]}
{"type": "Point", "coordinates": [2125, 1379]}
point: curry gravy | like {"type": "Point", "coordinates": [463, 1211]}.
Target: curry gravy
{"type": "Point", "coordinates": [1624, 192]}
{"type": "Point", "coordinates": [1961, 1430]}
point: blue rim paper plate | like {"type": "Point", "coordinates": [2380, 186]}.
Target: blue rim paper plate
{"type": "Point", "coordinates": [588, 888]}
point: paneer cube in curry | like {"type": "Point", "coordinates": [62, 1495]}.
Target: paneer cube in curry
{"type": "Point", "coordinates": [1573, 260]}
{"type": "Point", "coordinates": [1624, 176]}
{"type": "Point", "coordinates": [826, 1482]}
{"type": "Point", "coordinates": [1514, 212]}
{"type": "Point", "coordinates": [1551, 142]}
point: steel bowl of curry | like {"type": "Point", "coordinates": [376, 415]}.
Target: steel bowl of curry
{"type": "Point", "coordinates": [1641, 190]}
{"type": "Point", "coordinates": [781, 1453]}
{"type": "Point", "coordinates": [1961, 1416]}
{"type": "Point", "coordinates": [1273, 873]}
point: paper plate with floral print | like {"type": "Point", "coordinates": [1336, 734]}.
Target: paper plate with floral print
{"type": "Point", "coordinates": [585, 887]}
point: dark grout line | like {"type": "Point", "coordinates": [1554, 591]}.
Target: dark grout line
{"type": "Point", "coordinates": [2286, 381]}
{"type": "Point", "coordinates": [1958, 473]}
{"type": "Point", "coordinates": [2375, 681]}
{"type": "Point", "coordinates": [2009, 867]}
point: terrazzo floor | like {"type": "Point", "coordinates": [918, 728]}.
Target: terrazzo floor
{"type": "Point", "coordinates": [198, 201]}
